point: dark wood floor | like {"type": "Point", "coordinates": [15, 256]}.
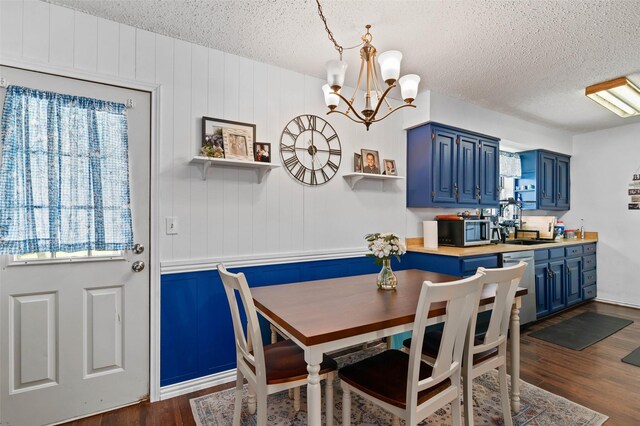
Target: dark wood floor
{"type": "Point", "coordinates": [594, 377]}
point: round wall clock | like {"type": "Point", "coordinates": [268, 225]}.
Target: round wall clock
{"type": "Point", "coordinates": [310, 149]}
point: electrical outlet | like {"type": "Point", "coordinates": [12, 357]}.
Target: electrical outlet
{"type": "Point", "coordinates": [172, 225]}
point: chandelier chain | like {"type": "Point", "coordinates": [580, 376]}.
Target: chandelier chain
{"type": "Point", "coordinates": [329, 33]}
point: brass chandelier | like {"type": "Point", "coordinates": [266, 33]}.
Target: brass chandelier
{"type": "Point", "coordinates": [374, 97]}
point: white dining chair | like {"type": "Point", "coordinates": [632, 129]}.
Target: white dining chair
{"type": "Point", "coordinates": [268, 368]}
{"type": "Point", "coordinates": [487, 351]}
{"type": "Point", "coordinates": [402, 383]}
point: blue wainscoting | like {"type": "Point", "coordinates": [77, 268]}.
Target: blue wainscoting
{"type": "Point", "coordinates": [196, 330]}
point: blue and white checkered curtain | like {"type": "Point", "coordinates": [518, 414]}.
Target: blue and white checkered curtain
{"type": "Point", "coordinates": [64, 176]}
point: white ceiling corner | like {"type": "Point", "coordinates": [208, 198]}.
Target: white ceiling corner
{"type": "Point", "coordinates": [531, 59]}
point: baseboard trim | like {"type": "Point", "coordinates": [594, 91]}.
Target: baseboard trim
{"type": "Point", "coordinates": [615, 302]}
{"type": "Point", "coordinates": [182, 388]}
{"type": "Point", "coordinates": [197, 265]}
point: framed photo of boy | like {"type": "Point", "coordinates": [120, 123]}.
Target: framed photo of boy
{"type": "Point", "coordinates": [370, 161]}
{"type": "Point", "coordinates": [227, 139]}
{"type": "Point", "coordinates": [357, 163]}
{"type": "Point", "coordinates": [262, 152]}
{"type": "Point", "coordinates": [390, 167]}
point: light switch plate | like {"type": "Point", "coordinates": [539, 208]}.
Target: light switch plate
{"type": "Point", "coordinates": [172, 225]}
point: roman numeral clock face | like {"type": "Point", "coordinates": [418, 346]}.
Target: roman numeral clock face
{"type": "Point", "coordinates": [310, 150]}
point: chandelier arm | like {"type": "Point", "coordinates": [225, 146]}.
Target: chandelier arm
{"type": "Point", "coordinates": [349, 107]}
{"type": "Point", "coordinates": [376, 83]}
{"type": "Point", "coordinates": [346, 115]}
{"type": "Point", "coordinates": [382, 98]}
{"type": "Point", "coordinates": [392, 111]}
{"type": "Point", "coordinates": [355, 92]}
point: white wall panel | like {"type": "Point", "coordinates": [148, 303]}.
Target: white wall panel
{"type": "Point", "coordinates": [61, 37]}
{"type": "Point", "coordinates": [85, 56]}
{"type": "Point", "coordinates": [164, 77]}
{"type": "Point", "coordinates": [198, 187]}
{"type": "Point", "coordinates": [127, 52]}
{"type": "Point", "coordinates": [108, 47]}
{"type": "Point", "coordinates": [35, 31]}
{"type": "Point", "coordinates": [33, 362]}
{"type": "Point", "coordinates": [145, 56]}
{"type": "Point", "coordinates": [247, 178]}
{"type": "Point", "coordinates": [11, 39]}
{"type": "Point", "coordinates": [103, 330]}
{"type": "Point", "coordinates": [182, 147]}
{"type": "Point", "coordinates": [215, 181]}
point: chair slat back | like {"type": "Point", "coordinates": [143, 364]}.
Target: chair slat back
{"type": "Point", "coordinates": [460, 298]}
{"type": "Point", "coordinates": [505, 281]}
{"type": "Point", "coordinates": [251, 354]}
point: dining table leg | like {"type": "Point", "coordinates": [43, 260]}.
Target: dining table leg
{"type": "Point", "coordinates": [314, 394]}
{"type": "Point", "coordinates": [515, 356]}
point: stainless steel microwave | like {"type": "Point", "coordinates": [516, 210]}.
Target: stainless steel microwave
{"type": "Point", "coordinates": [464, 233]}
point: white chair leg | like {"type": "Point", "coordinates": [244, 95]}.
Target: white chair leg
{"type": "Point", "coordinates": [251, 400]}
{"type": "Point", "coordinates": [346, 406]}
{"type": "Point", "coordinates": [328, 398]}
{"type": "Point", "coordinates": [504, 395]}
{"type": "Point", "coordinates": [296, 399]}
{"type": "Point", "coordinates": [237, 409]}
{"type": "Point", "coordinates": [467, 395]}
{"type": "Point", "coordinates": [261, 419]}
{"type": "Point", "coordinates": [456, 417]}
{"type": "Point", "coordinates": [290, 393]}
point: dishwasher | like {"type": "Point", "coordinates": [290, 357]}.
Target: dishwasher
{"type": "Point", "coordinates": [528, 281]}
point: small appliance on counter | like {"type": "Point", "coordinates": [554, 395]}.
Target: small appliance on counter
{"type": "Point", "coordinates": [463, 231]}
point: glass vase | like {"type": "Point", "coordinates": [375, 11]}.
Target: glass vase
{"type": "Point", "coordinates": [386, 278]}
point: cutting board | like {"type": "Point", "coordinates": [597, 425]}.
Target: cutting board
{"type": "Point", "coordinates": [543, 224]}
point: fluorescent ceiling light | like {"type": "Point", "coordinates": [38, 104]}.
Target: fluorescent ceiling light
{"type": "Point", "coordinates": [620, 96]}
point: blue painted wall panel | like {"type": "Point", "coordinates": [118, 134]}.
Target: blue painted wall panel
{"type": "Point", "coordinates": [196, 329]}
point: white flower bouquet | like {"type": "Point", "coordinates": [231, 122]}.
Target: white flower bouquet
{"type": "Point", "coordinates": [383, 245]}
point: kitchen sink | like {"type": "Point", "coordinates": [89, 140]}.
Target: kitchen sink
{"type": "Point", "coordinates": [528, 242]}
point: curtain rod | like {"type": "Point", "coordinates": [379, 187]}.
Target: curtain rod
{"type": "Point", "coordinates": [129, 103]}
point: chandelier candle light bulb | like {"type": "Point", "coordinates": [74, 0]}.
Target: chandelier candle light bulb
{"type": "Point", "coordinates": [331, 99]}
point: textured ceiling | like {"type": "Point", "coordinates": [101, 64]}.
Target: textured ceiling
{"type": "Point", "coordinates": [531, 59]}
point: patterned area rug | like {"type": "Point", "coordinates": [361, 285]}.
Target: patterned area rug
{"type": "Point", "coordinates": [538, 407]}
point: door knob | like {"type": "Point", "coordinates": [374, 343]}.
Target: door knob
{"type": "Point", "coordinates": [138, 248]}
{"type": "Point", "coordinates": [137, 266]}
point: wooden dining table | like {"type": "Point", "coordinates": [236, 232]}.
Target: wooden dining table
{"type": "Point", "coordinates": [328, 315]}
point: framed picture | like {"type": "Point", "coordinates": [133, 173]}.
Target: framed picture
{"type": "Point", "coordinates": [227, 139]}
{"type": "Point", "coordinates": [390, 167]}
{"type": "Point", "coordinates": [370, 161]}
{"type": "Point", "coordinates": [262, 152]}
{"type": "Point", "coordinates": [357, 163]}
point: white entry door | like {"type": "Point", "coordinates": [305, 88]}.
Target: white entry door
{"type": "Point", "coordinates": [74, 331]}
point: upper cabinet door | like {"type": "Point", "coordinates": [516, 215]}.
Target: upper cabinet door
{"type": "Point", "coordinates": [489, 172]}
{"type": "Point", "coordinates": [563, 187]}
{"type": "Point", "coordinates": [445, 187]}
{"type": "Point", "coordinates": [468, 170]}
{"type": "Point", "coordinates": [547, 181]}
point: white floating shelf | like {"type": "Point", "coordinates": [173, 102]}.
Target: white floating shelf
{"type": "Point", "coordinates": [353, 178]}
{"type": "Point", "coordinates": [262, 169]}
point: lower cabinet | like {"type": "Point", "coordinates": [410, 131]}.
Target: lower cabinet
{"type": "Point", "coordinates": [564, 277]}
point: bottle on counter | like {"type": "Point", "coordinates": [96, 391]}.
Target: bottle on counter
{"type": "Point", "coordinates": [582, 229]}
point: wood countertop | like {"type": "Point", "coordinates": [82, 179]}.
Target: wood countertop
{"type": "Point", "coordinates": [417, 245]}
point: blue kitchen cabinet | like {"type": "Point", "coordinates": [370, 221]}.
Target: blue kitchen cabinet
{"type": "Point", "coordinates": [557, 284]}
{"type": "Point", "coordinates": [564, 276]}
{"type": "Point", "coordinates": [489, 172]}
{"type": "Point", "coordinates": [546, 175]}
{"type": "Point", "coordinates": [574, 280]}
{"type": "Point", "coordinates": [445, 189]}
{"type": "Point", "coordinates": [542, 289]}
{"type": "Point", "coordinates": [451, 167]}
